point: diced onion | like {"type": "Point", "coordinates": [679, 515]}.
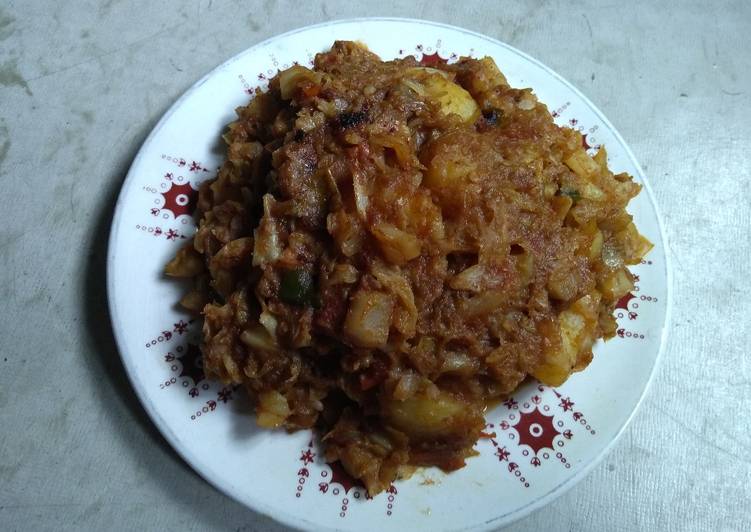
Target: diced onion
{"type": "Point", "coordinates": [458, 363]}
{"type": "Point", "coordinates": [582, 164]}
{"type": "Point", "coordinates": [344, 274]}
{"type": "Point", "coordinates": [369, 318]}
{"type": "Point", "coordinates": [258, 338]}
{"type": "Point", "coordinates": [406, 386]}
{"type": "Point", "coordinates": [405, 316]}
{"type": "Point", "coordinates": [616, 285]}
{"type": "Point", "coordinates": [484, 303]}
{"type": "Point", "coordinates": [187, 263]}
{"type": "Point", "coordinates": [269, 322]}
{"type": "Point", "coordinates": [397, 246]}
{"type": "Point", "coordinates": [267, 248]}
{"type": "Point", "coordinates": [469, 279]}
{"type": "Point", "coordinates": [291, 78]}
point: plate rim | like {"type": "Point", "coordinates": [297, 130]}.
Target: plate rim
{"type": "Point", "coordinates": [261, 507]}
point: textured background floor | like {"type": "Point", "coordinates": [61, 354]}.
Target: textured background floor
{"type": "Point", "coordinates": [81, 85]}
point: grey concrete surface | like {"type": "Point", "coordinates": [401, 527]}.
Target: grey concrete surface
{"type": "Point", "coordinates": [81, 85]}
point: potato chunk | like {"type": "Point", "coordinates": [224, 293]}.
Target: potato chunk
{"type": "Point", "coordinates": [451, 97]}
{"type": "Point", "coordinates": [449, 163]}
{"type": "Point", "coordinates": [272, 409]}
{"type": "Point", "coordinates": [424, 417]}
{"type": "Point", "coordinates": [577, 328]}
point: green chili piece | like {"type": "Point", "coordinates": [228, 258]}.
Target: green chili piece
{"type": "Point", "coordinates": [571, 193]}
{"type": "Point", "coordinates": [297, 287]}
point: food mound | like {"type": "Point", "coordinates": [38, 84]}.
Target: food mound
{"type": "Point", "coordinates": [390, 247]}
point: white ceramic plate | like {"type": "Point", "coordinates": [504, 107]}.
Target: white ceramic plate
{"type": "Point", "coordinates": [545, 439]}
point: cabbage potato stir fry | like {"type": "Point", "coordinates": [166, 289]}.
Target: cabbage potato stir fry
{"type": "Point", "coordinates": [390, 247]}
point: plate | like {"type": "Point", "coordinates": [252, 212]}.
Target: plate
{"type": "Point", "coordinates": [545, 439]}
